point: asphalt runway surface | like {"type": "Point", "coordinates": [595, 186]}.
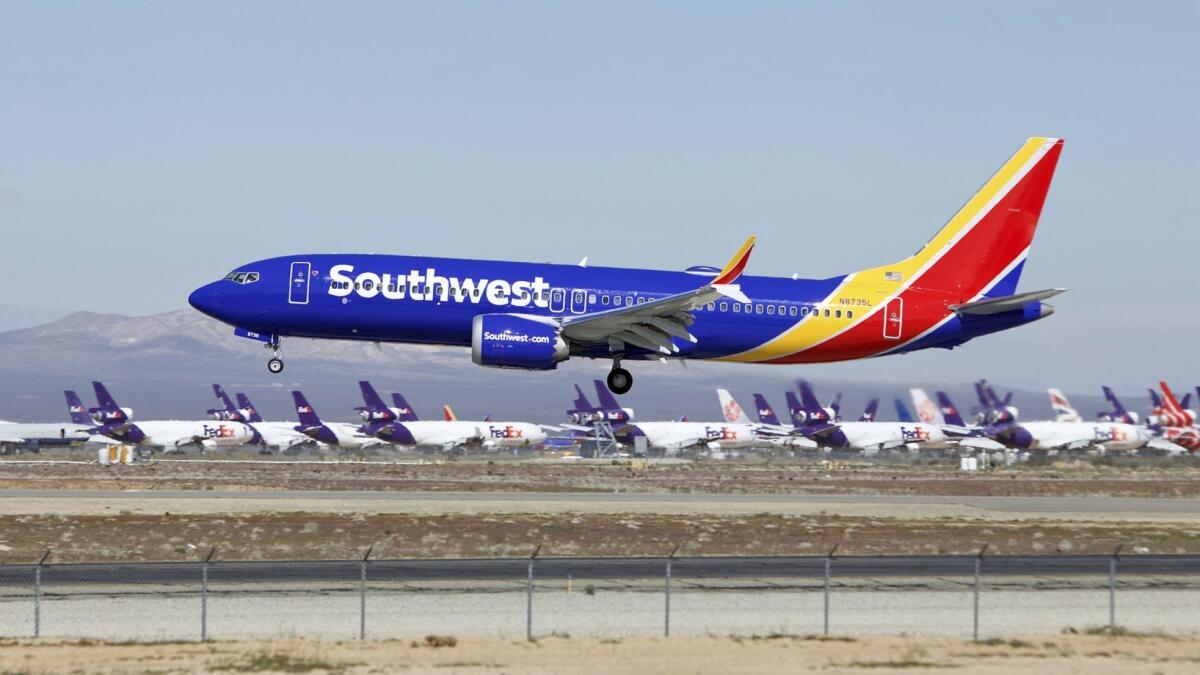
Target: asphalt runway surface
{"type": "Point", "coordinates": [508, 569]}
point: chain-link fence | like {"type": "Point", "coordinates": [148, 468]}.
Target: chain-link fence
{"type": "Point", "coordinates": [967, 596]}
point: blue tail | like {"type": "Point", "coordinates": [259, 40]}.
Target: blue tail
{"type": "Point", "coordinates": [795, 410]}
{"type": "Point", "coordinates": [227, 411]}
{"type": "Point", "coordinates": [404, 411]}
{"type": "Point", "coordinates": [902, 413]}
{"type": "Point", "coordinates": [765, 414]}
{"type": "Point", "coordinates": [809, 402]}
{"type": "Point", "coordinates": [1119, 413]}
{"type": "Point", "coordinates": [949, 412]}
{"type": "Point", "coordinates": [304, 412]}
{"type": "Point", "coordinates": [78, 412]}
{"type": "Point", "coordinates": [606, 398]}
{"type": "Point", "coordinates": [248, 409]}
{"type": "Point", "coordinates": [374, 409]}
{"type": "Point", "coordinates": [836, 406]}
{"type": "Point", "coordinates": [1155, 401]}
{"type": "Point", "coordinates": [869, 414]}
{"type": "Point", "coordinates": [581, 402]}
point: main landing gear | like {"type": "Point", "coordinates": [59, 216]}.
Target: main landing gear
{"type": "Point", "coordinates": [620, 381]}
{"type": "Point", "coordinates": [275, 365]}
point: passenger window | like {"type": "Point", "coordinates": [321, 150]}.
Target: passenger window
{"type": "Point", "coordinates": [771, 309]}
{"type": "Point", "coordinates": [604, 299]}
{"type": "Point", "coordinates": [592, 298]}
{"type": "Point", "coordinates": [849, 314]}
{"type": "Point", "coordinates": [758, 309]}
{"type": "Point", "coordinates": [838, 314]}
{"type": "Point", "coordinates": [826, 313]}
{"type": "Point", "coordinates": [804, 311]}
{"type": "Point", "coordinates": [641, 301]}
{"type": "Point", "coordinates": [712, 306]}
{"type": "Point", "coordinates": [628, 300]}
{"type": "Point", "coordinates": [737, 309]}
{"type": "Point", "coordinates": [725, 306]}
{"type": "Point", "coordinates": [792, 310]}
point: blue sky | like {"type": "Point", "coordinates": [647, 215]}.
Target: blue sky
{"type": "Point", "coordinates": [148, 148]}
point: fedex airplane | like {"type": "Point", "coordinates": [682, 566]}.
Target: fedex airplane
{"type": "Point", "coordinates": [960, 285]}
{"type": "Point", "coordinates": [674, 436]}
{"type": "Point", "coordinates": [382, 422]}
{"type": "Point", "coordinates": [114, 422]}
{"type": "Point", "coordinates": [282, 435]}
{"type": "Point", "coordinates": [584, 416]}
{"type": "Point", "coordinates": [816, 423]}
{"type": "Point", "coordinates": [337, 434]}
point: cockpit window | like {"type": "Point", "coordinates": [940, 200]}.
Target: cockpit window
{"type": "Point", "coordinates": [242, 277]}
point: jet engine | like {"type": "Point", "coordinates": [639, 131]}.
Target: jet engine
{"type": "Point", "coordinates": [513, 341]}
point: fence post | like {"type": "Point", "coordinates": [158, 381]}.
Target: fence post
{"type": "Point", "coordinates": [362, 595]}
{"type": "Point", "coordinates": [529, 596]}
{"type": "Point", "coordinates": [204, 594]}
{"type": "Point", "coordinates": [667, 605]}
{"type": "Point", "coordinates": [828, 562]}
{"type": "Point", "coordinates": [37, 595]}
{"type": "Point", "coordinates": [975, 622]}
{"type": "Point", "coordinates": [1112, 589]}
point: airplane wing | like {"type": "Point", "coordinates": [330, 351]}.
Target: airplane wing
{"type": "Point", "coordinates": [1166, 446]}
{"type": "Point", "coordinates": [956, 430]}
{"type": "Point", "coordinates": [652, 325]}
{"type": "Point", "coordinates": [11, 439]}
{"type": "Point", "coordinates": [882, 443]}
{"type": "Point", "coordinates": [980, 443]}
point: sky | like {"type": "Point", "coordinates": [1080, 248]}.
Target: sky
{"type": "Point", "coordinates": [148, 148]}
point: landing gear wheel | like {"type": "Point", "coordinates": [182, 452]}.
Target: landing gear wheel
{"type": "Point", "coordinates": [620, 381]}
{"type": "Point", "coordinates": [275, 365]}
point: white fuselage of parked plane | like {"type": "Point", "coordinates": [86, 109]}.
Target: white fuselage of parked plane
{"type": "Point", "coordinates": [489, 435]}
{"type": "Point", "coordinates": [715, 435]}
{"type": "Point", "coordinates": [886, 435]}
{"type": "Point", "coordinates": [1115, 436]}
{"type": "Point", "coordinates": [173, 434]}
{"type": "Point", "coordinates": [19, 432]}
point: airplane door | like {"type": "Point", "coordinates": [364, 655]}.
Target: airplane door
{"type": "Point", "coordinates": [893, 318]}
{"type": "Point", "coordinates": [578, 301]}
{"type": "Point", "coordinates": [298, 286]}
{"type": "Point", "coordinates": [558, 300]}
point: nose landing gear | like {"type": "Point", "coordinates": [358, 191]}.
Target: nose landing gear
{"type": "Point", "coordinates": [620, 381]}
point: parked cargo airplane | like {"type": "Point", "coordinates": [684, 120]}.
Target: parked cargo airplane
{"type": "Point", "coordinates": [962, 284]}
{"type": "Point", "coordinates": [116, 423]}
{"type": "Point", "coordinates": [282, 435]}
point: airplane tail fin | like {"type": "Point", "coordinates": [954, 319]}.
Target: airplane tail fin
{"type": "Point", "coordinates": [605, 397]}
{"type": "Point", "coordinates": [581, 401]}
{"type": "Point", "coordinates": [305, 412]}
{"type": "Point", "coordinates": [949, 413]}
{"type": "Point", "coordinates": [765, 414]}
{"type": "Point", "coordinates": [406, 412]}
{"type": "Point", "coordinates": [103, 399]}
{"type": "Point", "coordinates": [1155, 401]}
{"type": "Point", "coordinates": [730, 409]}
{"type": "Point", "coordinates": [448, 414]}
{"type": "Point", "coordinates": [1119, 413]}
{"type": "Point", "coordinates": [795, 409]}
{"type": "Point", "coordinates": [78, 412]}
{"type": "Point", "coordinates": [836, 406]}
{"type": "Point", "coordinates": [869, 414]}
{"type": "Point", "coordinates": [982, 248]}
{"type": "Point", "coordinates": [927, 411]}
{"type": "Point", "coordinates": [1177, 415]}
{"type": "Point", "coordinates": [227, 411]}
{"type": "Point", "coordinates": [809, 403]}
{"type": "Point", "coordinates": [902, 413]}
{"type": "Point", "coordinates": [371, 397]}
{"type": "Point", "coordinates": [248, 409]}
{"type": "Point", "coordinates": [1063, 412]}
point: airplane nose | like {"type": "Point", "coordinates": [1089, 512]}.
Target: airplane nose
{"type": "Point", "coordinates": [204, 299]}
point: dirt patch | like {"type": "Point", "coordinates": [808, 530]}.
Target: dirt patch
{"type": "Point", "coordinates": [768, 654]}
{"type": "Point", "coordinates": [292, 535]}
{"type": "Point", "coordinates": [1148, 478]}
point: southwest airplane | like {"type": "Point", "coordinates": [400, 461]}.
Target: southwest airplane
{"type": "Point", "coordinates": [958, 286]}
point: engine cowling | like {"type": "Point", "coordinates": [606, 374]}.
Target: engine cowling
{"type": "Point", "coordinates": [510, 341]}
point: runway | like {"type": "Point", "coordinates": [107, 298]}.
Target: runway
{"type": "Point", "coordinates": [517, 570]}
{"type": "Point", "coordinates": [45, 501]}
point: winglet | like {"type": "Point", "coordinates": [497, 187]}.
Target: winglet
{"type": "Point", "coordinates": [733, 268]}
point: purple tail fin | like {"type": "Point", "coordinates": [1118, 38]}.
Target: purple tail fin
{"type": "Point", "coordinates": [226, 411]}
{"type": "Point", "coordinates": [371, 397]}
{"type": "Point", "coordinates": [765, 414]}
{"type": "Point", "coordinates": [606, 398]}
{"type": "Point", "coordinates": [795, 410]}
{"type": "Point", "coordinates": [107, 405]}
{"type": "Point", "coordinates": [581, 401]}
{"type": "Point", "coordinates": [1155, 401]}
{"type": "Point", "coordinates": [1119, 413]}
{"type": "Point", "coordinates": [949, 412]}
{"type": "Point", "coordinates": [304, 412]}
{"type": "Point", "coordinates": [1186, 401]}
{"type": "Point", "coordinates": [836, 405]}
{"type": "Point", "coordinates": [79, 413]}
{"type": "Point", "coordinates": [404, 411]}
{"type": "Point", "coordinates": [902, 413]}
{"type": "Point", "coordinates": [808, 399]}
{"type": "Point", "coordinates": [223, 397]}
{"type": "Point", "coordinates": [869, 414]}
{"type": "Point", "coordinates": [248, 409]}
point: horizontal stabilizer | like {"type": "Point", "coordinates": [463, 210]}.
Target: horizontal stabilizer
{"type": "Point", "coordinates": [1005, 303]}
